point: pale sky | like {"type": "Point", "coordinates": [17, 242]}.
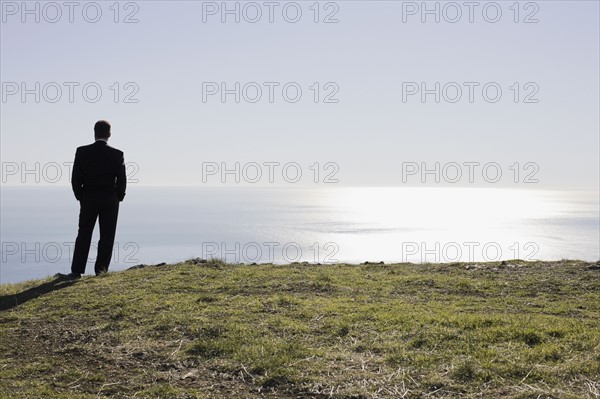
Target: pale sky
{"type": "Point", "coordinates": [367, 57]}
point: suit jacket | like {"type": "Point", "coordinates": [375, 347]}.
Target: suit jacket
{"type": "Point", "coordinates": [99, 166]}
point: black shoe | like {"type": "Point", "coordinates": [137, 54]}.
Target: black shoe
{"type": "Point", "coordinates": [72, 276]}
{"type": "Point", "coordinates": [101, 272]}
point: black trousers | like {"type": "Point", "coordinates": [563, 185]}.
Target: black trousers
{"type": "Point", "coordinates": [102, 205]}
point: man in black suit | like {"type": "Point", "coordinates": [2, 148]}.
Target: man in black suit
{"type": "Point", "coordinates": [99, 183]}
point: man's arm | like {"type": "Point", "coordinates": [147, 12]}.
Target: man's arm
{"type": "Point", "coordinates": [121, 178]}
{"type": "Point", "coordinates": [77, 176]}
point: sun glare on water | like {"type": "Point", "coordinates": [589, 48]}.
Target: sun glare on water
{"type": "Point", "coordinates": [448, 207]}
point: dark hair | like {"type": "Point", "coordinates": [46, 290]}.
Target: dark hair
{"type": "Point", "coordinates": [102, 130]}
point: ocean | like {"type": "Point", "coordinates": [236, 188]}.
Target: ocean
{"type": "Point", "coordinates": [319, 225]}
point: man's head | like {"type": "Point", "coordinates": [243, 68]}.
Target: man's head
{"type": "Point", "coordinates": [102, 130]}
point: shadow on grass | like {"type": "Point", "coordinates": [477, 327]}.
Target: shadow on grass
{"type": "Point", "coordinates": [14, 300]}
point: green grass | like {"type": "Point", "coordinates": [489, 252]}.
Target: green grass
{"type": "Point", "coordinates": [214, 330]}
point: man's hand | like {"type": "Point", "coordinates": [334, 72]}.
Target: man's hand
{"type": "Point", "coordinates": [77, 177]}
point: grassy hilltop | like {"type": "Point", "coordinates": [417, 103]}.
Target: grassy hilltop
{"type": "Point", "coordinates": [214, 330]}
